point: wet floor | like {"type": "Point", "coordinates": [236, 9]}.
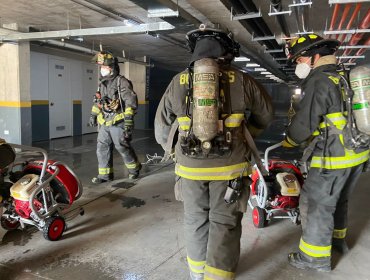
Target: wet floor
{"type": "Point", "coordinates": [132, 230]}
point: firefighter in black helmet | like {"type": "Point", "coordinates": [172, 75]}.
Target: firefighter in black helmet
{"type": "Point", "coordinates": [114, 107]}
{"type": "Point", "coordinates": [334, 169]}
{"type": "Point", "coordinates": [212, 171]}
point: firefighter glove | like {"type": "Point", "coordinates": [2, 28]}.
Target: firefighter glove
{"type": "Point", "coordinates": [93, 121]}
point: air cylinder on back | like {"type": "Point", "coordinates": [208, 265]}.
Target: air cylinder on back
{"type": "Point", "coordinates": [360, 84]}
{"type": "Point", "coordinates": [205, 98]}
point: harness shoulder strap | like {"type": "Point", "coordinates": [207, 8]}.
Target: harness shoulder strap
{"type": "Point", "coordinates": [252, 145]}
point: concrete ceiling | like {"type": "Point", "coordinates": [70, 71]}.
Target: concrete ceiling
{"type": "Point", "coordinates": [168, 47]}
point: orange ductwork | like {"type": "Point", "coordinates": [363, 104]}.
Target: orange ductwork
{"type": "Point", "coordinates": [344, 16]}
{"type": "Point", "coordinates": [342, 37]}
{"type": "Point", "coordinates": [365, 24]}
{"type": "Point", "coordinates": [334, 17]}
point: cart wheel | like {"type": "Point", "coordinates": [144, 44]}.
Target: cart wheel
{"type": "Point", "coordinates": [9, 224]}
{"type": "Point", "coordinates": [259, 217]}
{"type": "Point", "coordinates": [54, 227]}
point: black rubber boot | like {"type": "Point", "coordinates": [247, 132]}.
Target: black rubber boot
{"type": "Point", "coordinates": [97, 180]}
{"type": "Point", "coordinates": [136, 173]}
{"type": "Point", "coordinates": [340, 245]}
{"type": "Point", "coordinates": [301, 261]}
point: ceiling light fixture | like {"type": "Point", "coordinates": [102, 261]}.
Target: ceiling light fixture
{"type": "Point", "coordinates": [241, 58]}
{"type": "Point", "coordinates": [159, 13]}
{"type": "Point", "coordinates": [252, 65]}
{"type": "Point", "coordinates": [350, 56]}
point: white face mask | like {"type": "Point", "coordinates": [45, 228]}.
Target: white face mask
{"type": "Point", "coordinates": [302, 70]}
{"type": "Point", "coordinates": [105, 72]}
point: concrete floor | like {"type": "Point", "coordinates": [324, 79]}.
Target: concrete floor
{"type": "Point", "coordinates": [133, 231]}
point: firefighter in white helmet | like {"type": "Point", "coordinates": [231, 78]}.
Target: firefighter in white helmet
{"type": "Point", "coordinates": [207, 104]}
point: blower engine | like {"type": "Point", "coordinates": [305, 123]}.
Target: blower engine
{"type": "Point", "coordinates": [41, 194]}
{"type": "Point", "coordinates": [64, 188]}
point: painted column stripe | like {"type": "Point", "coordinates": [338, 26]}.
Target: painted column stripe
{"type": "Point", "coordinates": [39, 102]}
{"type": "Point", "coordinates": [16, 104]}
{"type": "Point", "coordinates": [77, 102]}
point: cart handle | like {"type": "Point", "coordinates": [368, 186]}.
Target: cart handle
{"type": "Point", "coordinates": [273, 147]}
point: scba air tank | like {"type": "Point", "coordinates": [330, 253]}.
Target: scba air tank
{"type": "Point", "coordinates": [205, 100]}
{"type": "Point", "coordinates": [360, 84]}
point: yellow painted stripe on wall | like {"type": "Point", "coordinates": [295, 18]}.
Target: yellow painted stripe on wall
{"type": "Point", "coordinates": [77, 102]}
{"type": "Point", "coordinates": [16, 104]}
{"type": "Point", "coordinates": [143, 102]}
{"type": "Point", "coordinates": [40, 102]}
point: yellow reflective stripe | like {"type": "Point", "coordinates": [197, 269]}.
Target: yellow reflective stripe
{"type": "Point", "coordinates": [312, 36]}
{"type": "Point", "coordinates": [338, 120]}
{"type": "Point", "coordinates": [129, 111]}
{"type": "Point", "coordinates": [184, 123]}
{"type": "Point", "coordinates": [196, 266]}
{"type": "Point", "coordinates": [183, 119]}
{"type": "Point", "coordinates": [315, 251]}
{"type": "Point", "coordinates": [117, 118]}
{"type": "Point", "coordinates": [213, 173]}
{"type": "Point", "coordinates": [101, 119]}
{"type": "Point", "coordinates": [105, 171]}
{"type": "Point", "coordinates": [95, 110]}
{"type": "Point", "coordinates": [349, 160]}
{"type": "Point", "coordinates": [131, 165]}
{"type": "Point", "coordinates": [340, 233]}
{"type": "Point", "coordinates": [234, 120]}
{"type": "Point", "coordinates": [334, 79]}
{"type": "Point", "coordinates": [213, 273]}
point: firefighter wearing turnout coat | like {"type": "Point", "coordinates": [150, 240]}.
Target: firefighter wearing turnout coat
{"type": "Point", "coordinates": [114, 107]}
{"type": "Point", "coordinates": [207, 103]}
{"type": "Point", "coordinates": [335, 167]}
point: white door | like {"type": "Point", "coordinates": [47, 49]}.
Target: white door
{"type": "Point", "coordinates": [60, 103]}
{"type": "Point", "coordinates": [89, 84]}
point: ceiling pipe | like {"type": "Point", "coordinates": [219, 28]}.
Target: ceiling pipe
{"type": "Point", "coordinates": [363, 50]}
{"type": "Point", "coordinates": [334, 17]}
{"type": "Point", "coordinates": [342, 37]}
{"type": "Point", "coordinates": [365, 24]}
{"type": "Point", "coordinates": [301, 15]}
{"type": "Point", "coordinates": [69, 46]}
{"type": "Point", "coordinates": [73, 47]}
{"type": "Point", "coordinates": [343, 18]}
{"type": "Point", "coordinates": [277, 7]}
{"type": "Point", "coordinates": [258, 23]}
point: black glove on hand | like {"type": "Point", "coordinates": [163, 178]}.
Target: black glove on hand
{"type": "Point", "coordinates": [93, 121]}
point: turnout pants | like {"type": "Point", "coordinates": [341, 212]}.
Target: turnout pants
{"type": "Point", "coordinates": [324, 208]}
{"type": "Point", "coordinates": [212, 229]}
{"type": "Point", "coordinates": [109, 136]}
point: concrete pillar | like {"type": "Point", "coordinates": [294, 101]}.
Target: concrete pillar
{"type": "Point", "coordinates": [15, 95]}
{"type": "Point", "coordinates": [138, 74]}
